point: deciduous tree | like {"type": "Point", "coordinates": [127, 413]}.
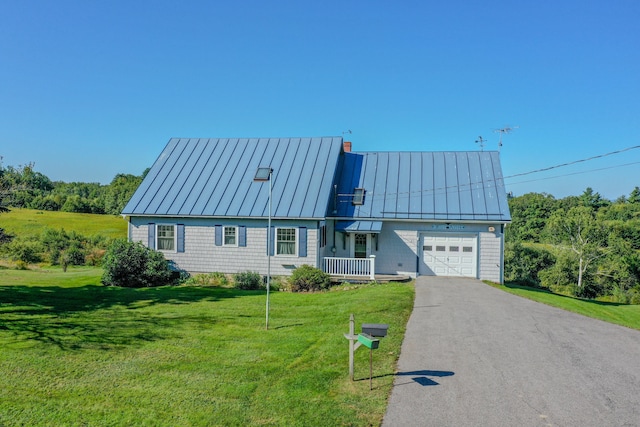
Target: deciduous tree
{"type": "Point", "coordinates": [579, 231]}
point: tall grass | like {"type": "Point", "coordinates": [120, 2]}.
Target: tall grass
{"type": "Point", "coordinates": [30, 222]}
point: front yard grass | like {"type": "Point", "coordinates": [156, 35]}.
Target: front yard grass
{"type": "Point", "coordinates": [620, 314]}
{"type": "Point", "coordinates": [77, 353]}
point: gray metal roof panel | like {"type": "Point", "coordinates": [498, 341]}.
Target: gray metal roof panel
{"type": "Point", "coordinates": [424, 185]}
{"type": "Point", "coordinates": [214, 177]}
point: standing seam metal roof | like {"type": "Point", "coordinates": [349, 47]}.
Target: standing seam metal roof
{"type": "Point", "coordinates": [423, 185]}
{"type": "Point", "coordinates": [214, 177]}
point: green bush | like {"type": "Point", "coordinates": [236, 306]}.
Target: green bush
{"type": "Point", "coordinates": [307, 278]}
{"type": "Point", "coordinates": [21, 265]}
{"type": "Point", "coordinates": [277, 283]}
{"type": "Point", "coordinates": [26, 251]}
{"type": "Point", "coordinates": [208, 279]}
{"type": "Point", "coordinates": [562, 277]}
{"type": "Point", "coordinates": [522, 263]}
{"type": "Point", "coordinates": [95, 256]}
{"type": "Point", "coordinates": [75, 255]}
{"type": "Point", "coordinates": [4, 237]}
{"type": "Point", "coordinates": [247, 280]}
{"type": "Point", "coordinates": [64, 248]}
{"type": "Point", "coordinates": [133, 265]}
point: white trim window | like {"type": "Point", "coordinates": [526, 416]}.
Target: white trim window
{"type": "Point", "coordinates": [166, 237]}
{"type": "Point", "coordinates": [230, 234]}
{"type": "Point", "coordinates": [286, 241]}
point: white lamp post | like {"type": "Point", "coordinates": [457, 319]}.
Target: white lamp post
{"type": "Point", "coordinates": [264, 174]}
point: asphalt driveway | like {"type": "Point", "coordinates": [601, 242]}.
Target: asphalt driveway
{"type": "Point", "coordinates": [477, 356]}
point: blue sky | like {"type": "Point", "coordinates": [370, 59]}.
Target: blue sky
{"type": "Point", "coordinates": [92, 89]}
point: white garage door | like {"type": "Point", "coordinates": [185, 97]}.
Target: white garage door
{"type": "Point", "coordinates": [449, 255]}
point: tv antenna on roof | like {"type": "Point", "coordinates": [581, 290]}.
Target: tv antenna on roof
{"type": "Point", "coordinates": [480, 141]}
{"type": "Point", "coordinates": [506, 129]}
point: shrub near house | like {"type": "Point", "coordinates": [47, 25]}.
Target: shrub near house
{"type": "Point", "coordinates": [308, 278]}
{"type": "Point", "coordinates": [133, 265]}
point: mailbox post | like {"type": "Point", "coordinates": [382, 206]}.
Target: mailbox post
{"type": "Point", "coordinates": [372, 344]}
{"type": "Point", "coordinates": [368, 338]}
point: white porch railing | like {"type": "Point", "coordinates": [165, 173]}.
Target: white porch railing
{"type": "Point", "coordinates": [335, 266]}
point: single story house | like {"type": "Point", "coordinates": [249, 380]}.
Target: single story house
{"type": "Point", "coordinates": [349, 213]}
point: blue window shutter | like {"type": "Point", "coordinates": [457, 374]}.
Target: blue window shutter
{"type": "Point", "coordinates": [218, 235]}
{"type": "Point", "coordinates": [242, 236]}
{"type": "Point", "coordinates": [151, 243]}
{"type": "Point", "coordinates": [180, 231]}
{"type": "Point", "coordinates": [272, 237]}
{"type": "Point", "coordinates": [302, 241]}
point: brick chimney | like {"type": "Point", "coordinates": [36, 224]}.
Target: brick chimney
{"type": "Point", "coordinates": [346, 146]}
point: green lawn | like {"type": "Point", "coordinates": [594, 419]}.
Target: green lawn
{"type": "Point", "coordinates": [29, 222]}
{"type": "Point", "coordinates": [621, 314]}
{"type": "Point", "coordinates": [76, 353]}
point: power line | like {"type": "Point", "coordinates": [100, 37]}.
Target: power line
{"type": "Point", "coordinates": [468, 186]}
{"type": "Point", "coordinates": [575, 173]}
{"type": "Point", "coordinates": [573, 162]}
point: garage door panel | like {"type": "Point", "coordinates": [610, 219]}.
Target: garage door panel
{"type": "Point", "coordinates": [449, 255]}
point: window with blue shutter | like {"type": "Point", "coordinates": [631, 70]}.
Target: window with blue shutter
{"type": "Point", "coordinates": [151, 241]}
{"type": "Point", "coordinates": [242, 236]}
{"type": "Point", "coordinates": [302, 241]}
{"type": "Point", "coordinates": [272, 238]}
{"type": "Point", "coordinates": [180, 237]}
{"type": "Point", "coordinates": [218, 235]}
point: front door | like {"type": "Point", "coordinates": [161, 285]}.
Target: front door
{"type": "Point", "coordinates": [361, 245]}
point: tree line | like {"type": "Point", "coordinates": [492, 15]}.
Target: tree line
{"type": "Point", "coordinates": [23, 187]}
{"type": "Point", "coordinates": [585, 246]}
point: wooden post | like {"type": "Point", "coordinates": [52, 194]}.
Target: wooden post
{"type": "Point", "coordinates": [352, 329]}
{"type": "Point", "coordinates": [372, 272]}
{"type": "Point", "coordinates": [370, 369]}
{"type": "Point", "coordinates": [354, 343]}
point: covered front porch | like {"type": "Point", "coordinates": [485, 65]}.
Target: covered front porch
{"type": "Point", "coordinates": [357, 270]}
{"type": "Point", "coordinates": [353, 267]}
{"type": "Point", "coordinates": [358, 263]}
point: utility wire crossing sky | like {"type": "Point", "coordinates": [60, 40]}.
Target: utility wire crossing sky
{"type": "Point", "coordinates": [92, 89]}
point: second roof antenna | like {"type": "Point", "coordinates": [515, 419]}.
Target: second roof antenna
{"type": "Point", "coordinates": [506, 129]}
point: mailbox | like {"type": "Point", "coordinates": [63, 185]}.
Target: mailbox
{"type": "Point", "coordinates": [369, 341]}
{"type": "Point", "coordinates": [375, 329]}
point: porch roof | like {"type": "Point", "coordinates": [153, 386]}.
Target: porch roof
{"type": "Point", "coordinates": [359, 226]}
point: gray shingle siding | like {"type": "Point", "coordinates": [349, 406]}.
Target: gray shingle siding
{"type": "Point", "coordinates": [201, 255]}
{"type": "Point", "coordinates": [490, 252]}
